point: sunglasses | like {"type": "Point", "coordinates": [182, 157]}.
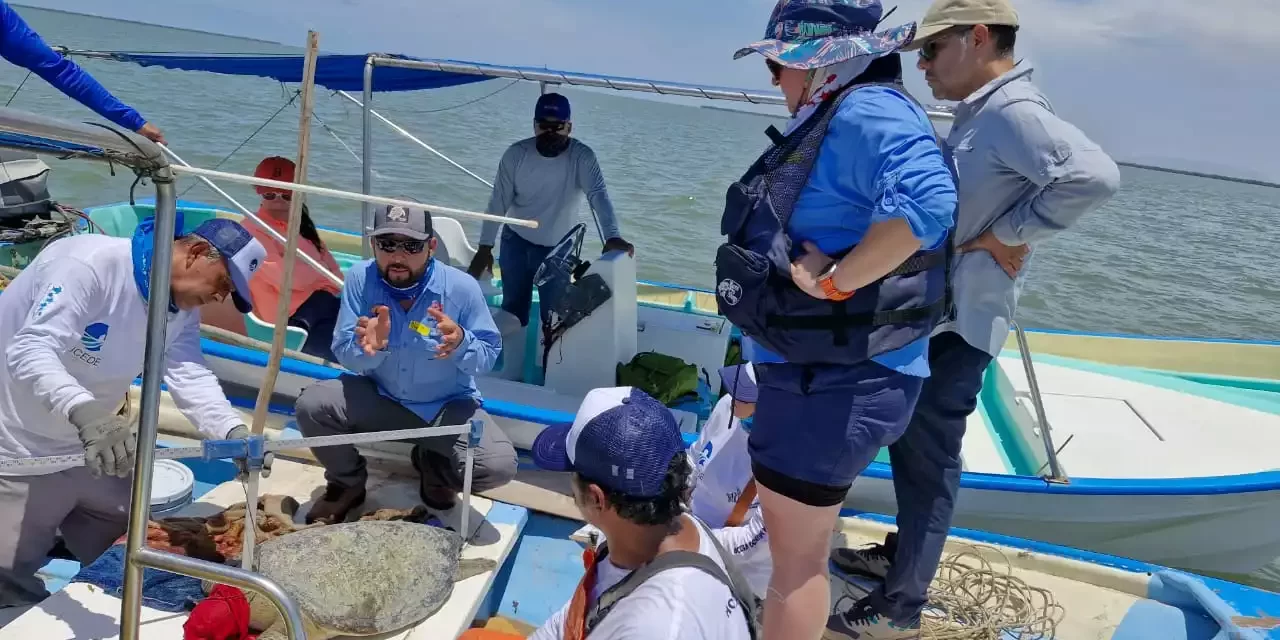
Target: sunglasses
{"type": "Point", "coordinates": [551, 126]}
{"type": "Point", "coordinates": [391, 245]}
{"type": "Point", "coordinates": [774, 68]}
{"type": "Point", "coordinates": [930, 49]}
{"type": "Point", "coordinates": [272, 195]}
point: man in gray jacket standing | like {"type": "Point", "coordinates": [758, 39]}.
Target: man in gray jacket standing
{"type": "Point", "coordinates": [1023, 174]}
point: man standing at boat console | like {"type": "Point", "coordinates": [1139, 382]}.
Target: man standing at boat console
{"type": "Point", "coordinates": [1024, 174]}
{"type": "Point", "coordinates": [541, 178]}
{"type": "Point", "coordinates": [73, 326]}
{"type": "Point", "coordinates": [21, 45]}
{"type": "Point", "coordinates": [417, 331]}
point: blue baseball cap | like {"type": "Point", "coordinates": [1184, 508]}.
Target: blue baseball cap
{"type": "Point", "coordinates": [551, 107]}
{"type": "Point", "coordinates": [621, 439]}
{"type": "Point", "coordinates": [241, 252]}
{"type": "Point", "coordinates": [740, 380]}
{"type": "Point", "coordinates": [811, 34]}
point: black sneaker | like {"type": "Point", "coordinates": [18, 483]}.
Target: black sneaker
{"type": "Point", "coordinates": [863, 622]}
{"type": "Point", "coordinates": [871, 561]}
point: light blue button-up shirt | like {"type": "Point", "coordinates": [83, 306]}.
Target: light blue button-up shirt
{"type": "Point", "coordinates": [879, 161]}
{"type": "Point", "coordinates": [408, 371]}
{"type": "Point", "coordinates": [1025, 174]}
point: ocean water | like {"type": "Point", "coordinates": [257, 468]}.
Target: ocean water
{"type": "Point", "coordinates": [1170, 255]}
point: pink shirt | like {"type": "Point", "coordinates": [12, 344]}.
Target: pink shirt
{"type": "Point", "coordinates": [265, 285]}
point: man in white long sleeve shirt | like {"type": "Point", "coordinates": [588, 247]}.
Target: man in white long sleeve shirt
{"type": "Point", "coordinates": [542, 178]}
{"type": "Point", "coordinates": [724, 495]}
{"type": "Point", "coordinates": [73, 327]}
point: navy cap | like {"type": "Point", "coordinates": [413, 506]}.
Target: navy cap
{"type": "Point", "coordinates": [241, 252]}
{"type": "Point", "coordinates": [551, 106]}
{"type": "Point", "coordinates": [621, 439]}
{"type": "Point", "coordinates": [740, 380]}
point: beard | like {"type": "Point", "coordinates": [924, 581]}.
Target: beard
{"type": "Point", "coordinates": [398, 274]}
{"type": "Point", "coordinates": [551, 143]}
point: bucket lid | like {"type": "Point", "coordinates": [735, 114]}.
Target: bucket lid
{"type": "Point", "coordinates": [171, 482]}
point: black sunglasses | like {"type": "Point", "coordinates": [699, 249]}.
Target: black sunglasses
{"type": "Point", "coordinates": [271, 195]}
{"type": "Point", "coordinates": [774, 68]}
{"type": "Point", "coordinates": [929, 50]}
{"type": "Point", "coordinates": [390, 245]}
{"type": "Point", "coordinates": [546, 125]}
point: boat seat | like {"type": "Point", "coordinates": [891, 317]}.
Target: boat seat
{"type": "Point", "coordinates": [259, 329]}
{"type": "Point", "coordinates": [452, 246]}
{"type": "Point", "coordinates": [120, 220]}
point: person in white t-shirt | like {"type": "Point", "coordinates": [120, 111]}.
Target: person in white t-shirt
{"type": "Point", "coordinates": [724, 494]}
{"type": "Point", "coordinates": [631, 481]}
{"type": "Point", "coordinates": [73, 328]}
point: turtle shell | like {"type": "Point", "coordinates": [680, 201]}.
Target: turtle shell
{"type": "Point", "coordinates": [366, 577]}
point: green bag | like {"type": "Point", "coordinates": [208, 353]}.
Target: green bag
{"type": "Point", "coordinates": [667, 378]}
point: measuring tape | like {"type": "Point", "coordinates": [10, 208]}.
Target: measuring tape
{"type": "Point", "coordinates": [255, 447]}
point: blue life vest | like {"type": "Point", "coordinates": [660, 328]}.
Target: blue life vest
{"type": "Point", "coordinates": [754, 289]}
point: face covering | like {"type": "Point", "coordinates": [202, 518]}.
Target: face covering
{"type": "Point", "coordinates": [144, 242]}
{"type": "Point", "coordinates": [826, 82]}
{"type": "Point", "coordinates": [551, 143]}
{"type": "Point", "coordinates": [411, 292]}
{"type": "Point", "coordinates": [745, 423]}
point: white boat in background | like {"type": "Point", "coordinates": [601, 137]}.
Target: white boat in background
{"type": "Point", "coordinates": [1140, 447]}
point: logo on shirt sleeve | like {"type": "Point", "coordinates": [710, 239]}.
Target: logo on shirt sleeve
{"type": "Point", "coordinates": [49, 295]}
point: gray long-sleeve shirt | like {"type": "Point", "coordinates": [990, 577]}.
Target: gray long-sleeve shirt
{"type": "Point", "coordinates": [531, 186]}
{"type": "Point", "coordinates": [1025, 174]}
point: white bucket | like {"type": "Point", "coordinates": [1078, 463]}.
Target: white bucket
{"type": "Point", "coordinates": [171, 485]}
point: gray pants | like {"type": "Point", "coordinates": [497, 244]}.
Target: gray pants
{"type": "Point", "coordinates": [352, 404]}
{"type": "Point", "coordinates": [90, 512]}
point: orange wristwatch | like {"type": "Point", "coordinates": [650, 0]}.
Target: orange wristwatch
{"type": "Point", "coordinates": [826, 280]}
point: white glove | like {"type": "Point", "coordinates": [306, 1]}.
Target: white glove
{"type": "Point", "coordinates": [109, 441]}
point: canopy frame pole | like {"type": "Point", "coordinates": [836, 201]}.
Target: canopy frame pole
{"type": "Point", "coordinates": [414, 139]}
{"type": "Point", "coordinates": [137, 555]}
{"type": "Point", "coordinates": [349, 195]}
{"type": "Point", "coordinates": [249, 215]}
{"type": "Point", "coordinates": [366, 151]}
{"type": "Point", "coordinates": [281, 322]}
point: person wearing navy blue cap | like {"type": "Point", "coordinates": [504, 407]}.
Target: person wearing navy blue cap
{"type": "Point", "coordinates": [543, 178]}
{"type": "Point", "coordinates": [630, 481]}
{"type": "Point", "coordinates": [74, 327]}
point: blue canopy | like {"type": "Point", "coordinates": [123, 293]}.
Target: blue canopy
{"type": "Point", "coordinates": [336, 72]}
{"type": "Point", "coordinates": [345, 72]}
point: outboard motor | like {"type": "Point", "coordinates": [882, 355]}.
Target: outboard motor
{"type": "Point", "coordinates": [24, 192]}
{"type": "Point", "coordinates": [29, 218]}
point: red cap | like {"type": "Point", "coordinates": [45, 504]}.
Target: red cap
{"type": "Point", "coordinates": [274, 168]}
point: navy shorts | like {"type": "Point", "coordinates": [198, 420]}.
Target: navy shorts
{"type": "Point", "coordinates": [816, 427]}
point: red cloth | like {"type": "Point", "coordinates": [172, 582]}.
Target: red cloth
{"type": "Point", "coordinates": [224, 615]}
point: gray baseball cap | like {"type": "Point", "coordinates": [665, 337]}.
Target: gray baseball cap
{"type": "Point", "coordinates": [410, 222]}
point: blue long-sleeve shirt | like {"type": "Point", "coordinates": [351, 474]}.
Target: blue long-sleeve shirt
{"type": "Point", "coordinates": [531, 186]}
{"type": "Point", "coordinates": [879, 161]}
{"type": "Point", "coordinates": [408, 371]}
{"type": "Point", "coordinates": [21, 45]}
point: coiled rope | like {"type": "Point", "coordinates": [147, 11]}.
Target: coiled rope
{"type": "Point", "coordinates": [973, 599]}
{"type": "Point", "coordinates": [977, 600]}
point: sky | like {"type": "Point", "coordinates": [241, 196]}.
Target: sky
{"type": "Point", "coordinates": [1180, 83]}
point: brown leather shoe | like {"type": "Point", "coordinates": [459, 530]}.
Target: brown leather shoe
{"type": "Point", "coordinates": [336, 503]}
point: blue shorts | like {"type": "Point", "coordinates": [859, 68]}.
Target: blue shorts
{"type": "Point", "coordinates": [816, 427]}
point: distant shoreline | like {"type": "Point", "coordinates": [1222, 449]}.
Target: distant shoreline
{"type": "Point", "coordinates": [732, 110]}
{"type": "Point", "coordinates": [147, 24]}
{"type": "Point", "coordinates": [1201, 174]}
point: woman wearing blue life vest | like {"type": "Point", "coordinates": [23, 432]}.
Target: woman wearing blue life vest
{"type": "Point", "coordinates": [835, 270]}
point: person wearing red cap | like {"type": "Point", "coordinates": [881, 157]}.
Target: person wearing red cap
{"type": "Point", "coordinates": [314, 303]}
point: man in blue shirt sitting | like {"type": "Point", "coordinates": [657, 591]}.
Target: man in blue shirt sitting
{"type": "Point", "coordinates": [416, 331]}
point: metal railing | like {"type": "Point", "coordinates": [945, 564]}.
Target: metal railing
{"type": "Point", "coordinates": [1055, 470]}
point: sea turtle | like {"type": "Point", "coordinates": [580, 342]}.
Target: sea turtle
{"type": "Point", "coordinates": [361, 578]}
